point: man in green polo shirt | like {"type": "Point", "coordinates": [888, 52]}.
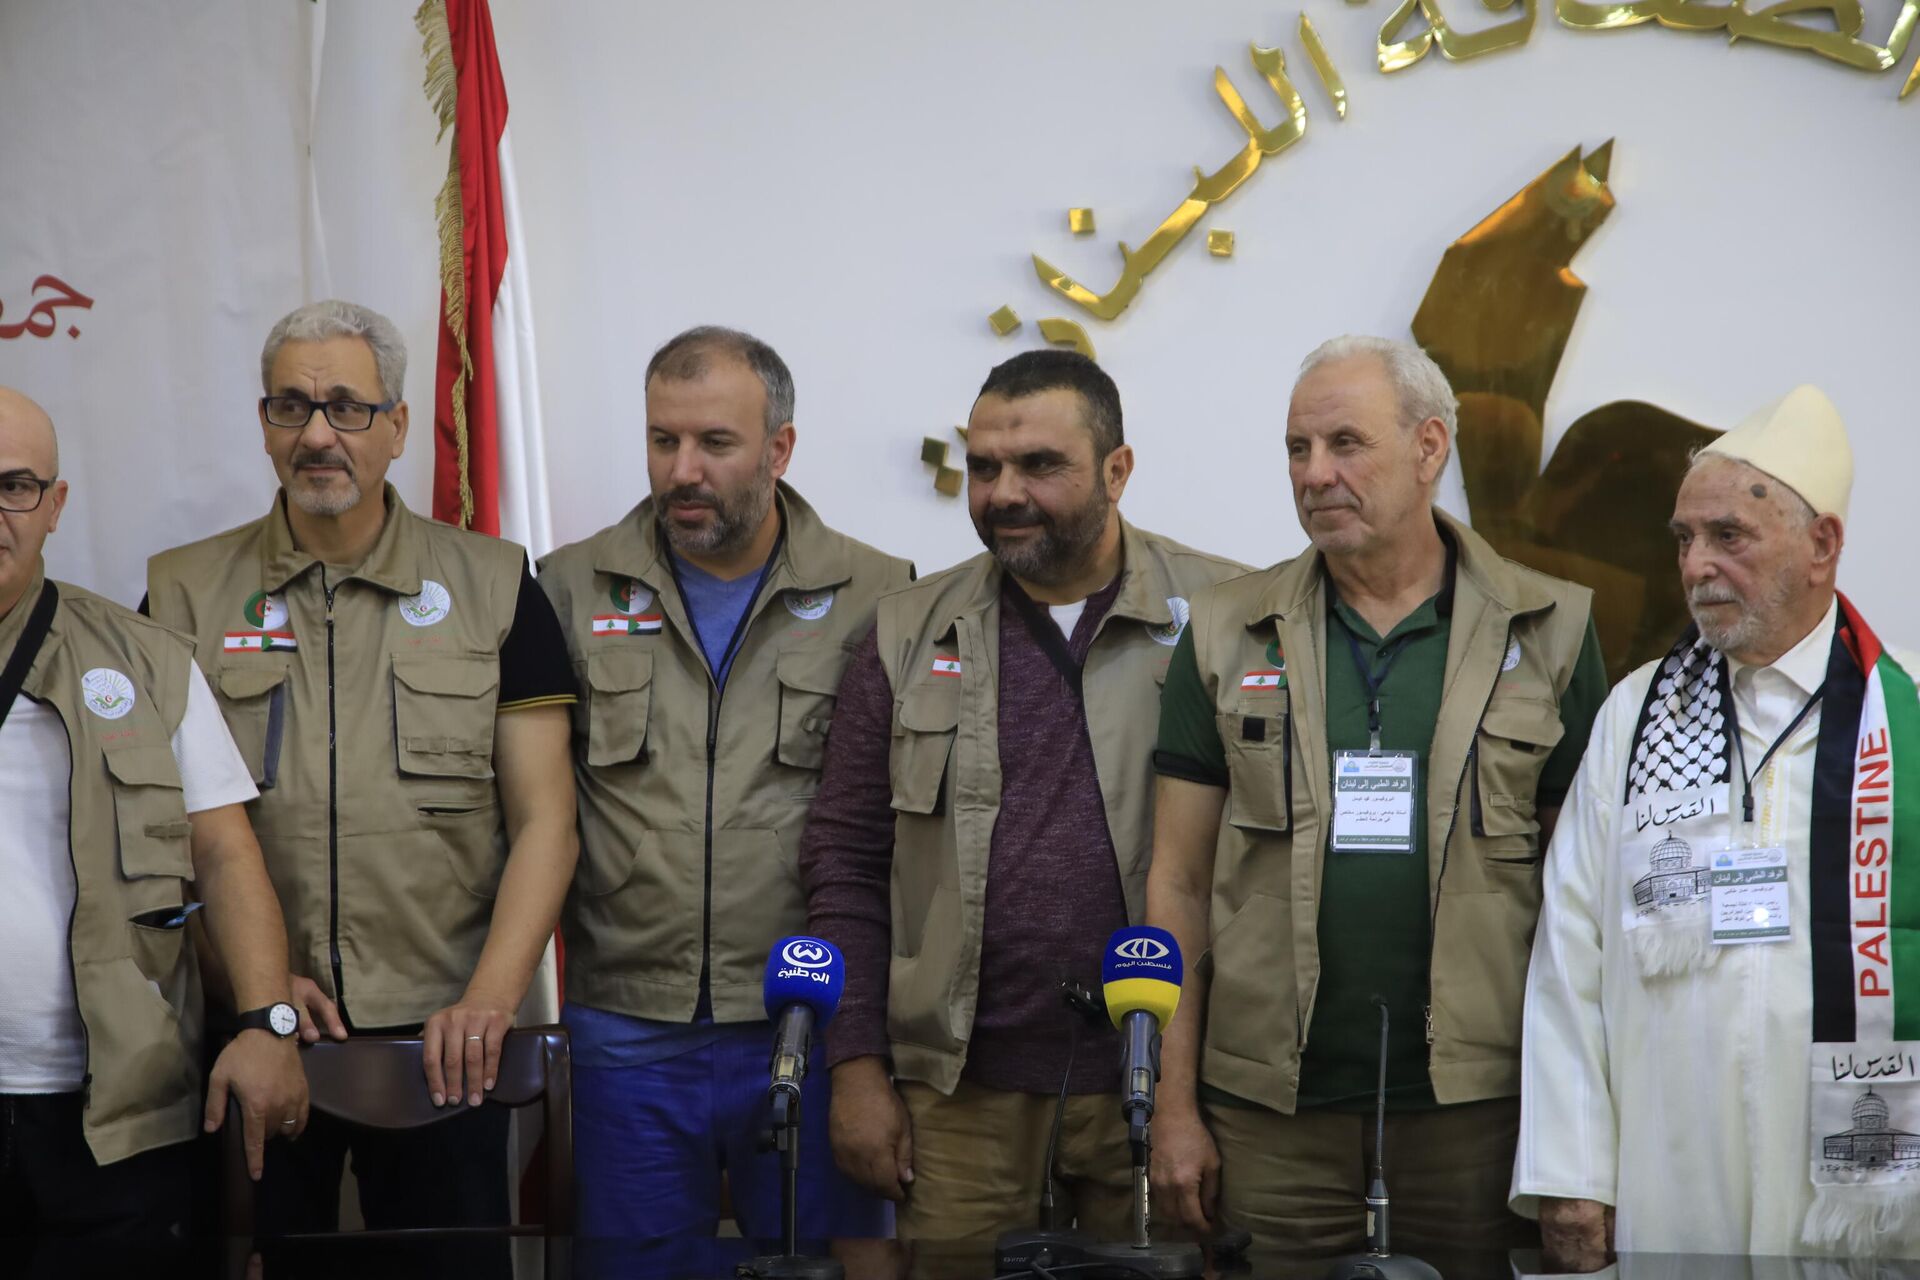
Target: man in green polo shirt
{"type": "Point", "coordinates": [1361, 752]}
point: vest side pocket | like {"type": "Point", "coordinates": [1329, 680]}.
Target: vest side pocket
{"type": "Point", "coordinates": [1511, 747]}
{"type": "Point", "coordinates": [619, 697]}
{"type": "Point", "coordinates": [924, 729]}
{"type": "Point", "coordinates": [1259, 749]}
{"type": "Point", "coordinates": [253, 700]}
{"type": "Point", "coordinates": [443, 709]}
{"type": "Point", "coordinates": [809, 681]}
{"type": "Point", "coordinates": [150, 811]}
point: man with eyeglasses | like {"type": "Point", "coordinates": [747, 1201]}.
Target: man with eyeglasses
{"type": "Point", "coordinates": [120, 803]}
{"type": "Point", "coordinates": [399, 690]}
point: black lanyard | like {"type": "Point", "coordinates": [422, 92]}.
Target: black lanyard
{"type": "Point", "coordinates": [1739, 746]}
{"type": "Point", "coordinates": [1373, 674]}
{"type": "Point", "coordinates": [39, 622]}
{"type": "Point", "coordinates": [1046, 634]}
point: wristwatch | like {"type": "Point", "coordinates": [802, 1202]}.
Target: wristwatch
{"type": "Point", "coordinates": [281, 1019]}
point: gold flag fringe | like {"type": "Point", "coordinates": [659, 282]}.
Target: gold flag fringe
{"type": "Point", "coordinates": [442, 89]}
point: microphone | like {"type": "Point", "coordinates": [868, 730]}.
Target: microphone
{"type": "Point", "coordinates": [1140, 978]}
{"type": "Point", "coordinates": [805, 977]}
{"type": "Point", "coordinates": [1380, 1262]}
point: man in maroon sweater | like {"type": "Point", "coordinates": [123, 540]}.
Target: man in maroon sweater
{"type": "Point", "coordinates": [985, 817]}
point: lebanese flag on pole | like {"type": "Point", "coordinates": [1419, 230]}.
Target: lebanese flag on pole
{"type": "Point", "coordinates": [489, 454]}
{"type": "Point", "coordinates": [489, 469]}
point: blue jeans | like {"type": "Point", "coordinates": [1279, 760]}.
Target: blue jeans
{"type": "Point", "coordinates": [651, 1141]}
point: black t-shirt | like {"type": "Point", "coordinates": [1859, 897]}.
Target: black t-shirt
{"type": "Point", "coordinates": [534, 668]}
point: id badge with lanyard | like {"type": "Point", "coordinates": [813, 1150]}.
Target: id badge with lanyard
{"type": "Point", "coordinates": [1374, 790]}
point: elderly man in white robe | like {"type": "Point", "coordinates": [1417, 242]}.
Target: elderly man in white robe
{"type": "Point", "coordinates": [1723, 1010]}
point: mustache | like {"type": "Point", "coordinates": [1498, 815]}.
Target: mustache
{"type": "Point", "coordinates": [1333, 500]}
{"type": "Point", "coordinates": [321, 458]}
{"type": "Point", "coordinates": [691, 496]}
{"type": "Point", "coordinates": [1014, 517]}
{"type": "Point", "coordinates": [1712, 593]}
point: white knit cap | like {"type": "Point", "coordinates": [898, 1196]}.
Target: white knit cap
{"type": "Point", "coordinates": [1800, 441]}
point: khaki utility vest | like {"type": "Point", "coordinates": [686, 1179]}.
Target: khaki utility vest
{"type": "Point", "coordinates": [1515, 638]}
{"type": "Point", "coordinates": [118, 682]}
{"type": "Point", "coordinates": [945, 770]}
{"type": "Point", "coordinates": [371, 741]}
{"type": "Point", "coordinates": [692, 798]}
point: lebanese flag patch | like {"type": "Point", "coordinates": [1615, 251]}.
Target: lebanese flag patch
{"type": "Point", "coordinates": [946, 666]}
{"type": "Point", "coordinates": [620, 624]}
{"type": "Point", "coordinates": [1263, 679]}
{"type": "Point", "coordinates": [263, 641]}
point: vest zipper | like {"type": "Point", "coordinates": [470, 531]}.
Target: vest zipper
{"type": "Point", "coordinates": [333, 819]}
{"type": "Point", "coordinates": [706, 905]}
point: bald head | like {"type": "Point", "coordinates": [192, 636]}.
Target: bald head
{"type": "Point", "coordinates": [26, 436]}
{"type": "Point", "coordinates": [29, 467]}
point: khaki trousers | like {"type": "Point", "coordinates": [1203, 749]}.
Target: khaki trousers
{"type": "Point", "coordinates": [979, 1158]}
{"type": "Point", "coordinates": [1299, 1182]}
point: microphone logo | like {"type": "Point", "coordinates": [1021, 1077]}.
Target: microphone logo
{"type": "Point", "coordinates": [804, 953]}
{"type": "Point", "coordinates": [1142, 948]}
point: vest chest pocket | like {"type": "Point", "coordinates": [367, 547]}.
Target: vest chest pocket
{"type": "Point", "coordinates": [924, 729]}
{"type": "Point", "coordinates": [1516, 736]}
{"type": "Point", "coordinates": [619, 697]}
{"type": "Point", "coordinates": [150, 812]}
{"type": "Point", "coordinates": [1259, 748]}
{"type": "Point", "coordinates": [443, 709]}
{"type": "Point", "coordinates": [809, 679]}
{"type": "Point", "coordinates": [253, 698]}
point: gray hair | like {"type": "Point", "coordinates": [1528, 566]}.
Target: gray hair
{"type": "Point", "coordinates": [319, 321]}
{"type": "Point", "coordinates": [1419, 385]}
{"type": "Point", "coordinates": [689, 355]}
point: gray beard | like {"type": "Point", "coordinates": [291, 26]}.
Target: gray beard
{"type": "Point", "coordinates": [317, 502]}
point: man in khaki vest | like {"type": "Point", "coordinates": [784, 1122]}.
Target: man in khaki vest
{"type": "Point", "coordinates": [1387, 725]}
{"type": "Point", "coordinates": [398, 689]}
{"type": "Point", "coordinates": [709, 628]}
{"type": "Point", "coordinates": [983, 823]}
{"type": "Point", "coordinates": [121, 794]}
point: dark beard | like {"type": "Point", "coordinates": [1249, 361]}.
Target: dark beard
{"type": "Point", "coordinates": [1060, 551]}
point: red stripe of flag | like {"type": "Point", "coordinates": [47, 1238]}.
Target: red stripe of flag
{"type": "Point", "coordinates": [480, 115]}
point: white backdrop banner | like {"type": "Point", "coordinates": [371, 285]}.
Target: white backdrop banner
{"type": "Point", "coordinates": [156, 217]}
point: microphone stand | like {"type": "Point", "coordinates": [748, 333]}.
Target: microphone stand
{"type": "Point", "coordinates": [1379, 1262]}
{"type": "Point", "coordinates": [783, 1104]}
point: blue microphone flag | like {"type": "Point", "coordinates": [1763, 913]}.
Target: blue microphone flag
{"type": "Point", "coordinates": [806, 971]}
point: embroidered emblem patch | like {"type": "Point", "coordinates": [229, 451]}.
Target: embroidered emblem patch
{"type": "Point", "coordinates": [430, 606]}
{"type": "Point", "coordinates": [1170, 633]}
{"type": "Point", "coordinates": [107, 693]}
{"type": "Point", "coordinates": [809, 606]}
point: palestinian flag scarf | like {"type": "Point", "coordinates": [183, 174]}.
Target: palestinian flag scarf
{"type": "Point", "coordinates": [1863, 871]}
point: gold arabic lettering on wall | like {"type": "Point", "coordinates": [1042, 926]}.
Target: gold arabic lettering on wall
{"type": "Point", "coordinates": [1596, 513]}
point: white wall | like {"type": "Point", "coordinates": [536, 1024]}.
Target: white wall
{"type": "Point", "coordinates": [860, 183]}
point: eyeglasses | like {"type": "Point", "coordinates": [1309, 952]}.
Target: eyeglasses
{"type": "Point", "coordinates": [342, 415]}
{"type": "Point", "coordinates": [21, 491]}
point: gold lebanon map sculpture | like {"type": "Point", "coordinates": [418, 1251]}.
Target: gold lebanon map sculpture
{"type": "Point", "coordinates": [1497, 318]}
